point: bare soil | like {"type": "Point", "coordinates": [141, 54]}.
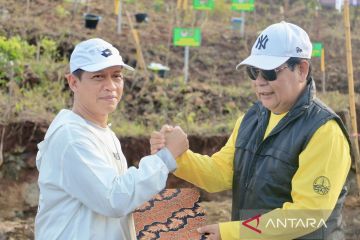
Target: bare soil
{"type": "Point", "coordinates": [19, 193]}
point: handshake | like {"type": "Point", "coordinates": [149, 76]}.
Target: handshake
{"type": "Point", "coordinates": [173, 138]}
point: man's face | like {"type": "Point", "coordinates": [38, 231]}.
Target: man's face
{"type": "Point", "coordinates": [98, 93]}
{"type": "Point", "coordinates": [281, 94]}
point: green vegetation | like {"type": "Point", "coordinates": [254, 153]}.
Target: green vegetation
{"type": "Point", "coordinates": [32, 83]}
{"type": "Point", "coordinates": [33, 66]}
{"type": "Point", "coordinates": [61, 12]}
{"type": "Point", "coordinates": [200, 108]}
{"type": "Point", "coordinates": [336, 100]}
{"type": "Point", "coordinates": [13, 53]}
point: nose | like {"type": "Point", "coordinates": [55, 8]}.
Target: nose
{"type": "Point", "coordinates": [110, 84]}
{"type": "Point", "coordinates": [260, 81]}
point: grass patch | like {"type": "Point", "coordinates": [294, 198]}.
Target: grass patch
{"type": "Point", "coordinates": [336, 100]}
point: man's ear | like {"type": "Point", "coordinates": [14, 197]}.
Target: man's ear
{"type": "Point", "coordinates": [304, 69]}
{"type": "Point", "coordinates": [72, 81]}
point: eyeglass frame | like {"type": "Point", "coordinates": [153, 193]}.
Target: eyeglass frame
{"type": "Point", "coordinates": [268, 75]}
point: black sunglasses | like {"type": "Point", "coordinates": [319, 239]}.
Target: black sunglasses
{"type": "Point", "coordinates": [269, 75]}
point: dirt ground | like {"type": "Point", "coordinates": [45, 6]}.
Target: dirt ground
{"type": "Point", "coordinates": [22, 227]}
{"type": "Point", "coordinates": [19, 198]}
{"type": "Point", "coordinates": [17, 217]}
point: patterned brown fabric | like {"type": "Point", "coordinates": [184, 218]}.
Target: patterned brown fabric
{"type": "Point", "coordinates": [171, 214]}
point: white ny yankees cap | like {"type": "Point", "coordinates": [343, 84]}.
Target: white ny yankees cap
{"type": "Point", "coordinates": [276, 44]}
{"type": "Point", "coordinates": [95, 54]}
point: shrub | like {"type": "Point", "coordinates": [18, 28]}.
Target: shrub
{"type": "Point", "coordinates": [13, 54]}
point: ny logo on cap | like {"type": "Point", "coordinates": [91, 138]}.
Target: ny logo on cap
{"type": "Point", "coordinates": [261, 43]}
{"type": "Point", "coordinates": [107, 52]}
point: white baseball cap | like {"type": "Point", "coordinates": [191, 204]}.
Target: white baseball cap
{"type": "Point", "coordinates": [95, 54]}
{"type": "Point", "coordinates": [276, 44]}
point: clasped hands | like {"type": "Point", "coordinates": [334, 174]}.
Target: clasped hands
{"type": "Point", "coordinates": [173, 138]}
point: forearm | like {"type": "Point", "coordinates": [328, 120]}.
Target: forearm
{"type": "Point", "coordinates": [209, 173]}
{"type": "Point", "coordinates": [90, 179]}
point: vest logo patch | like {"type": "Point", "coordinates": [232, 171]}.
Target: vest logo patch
{"type": "Point", "coordinates": [321, 185]}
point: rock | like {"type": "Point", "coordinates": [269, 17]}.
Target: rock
{"type": "Point", "coordinates": [31, 160]}
{"type": "Point", "coordinates": [30, 193]}
{"type": "Point", "coordinates": [2, 236]}
{"type": "Point", "coordinates": [351, 183]}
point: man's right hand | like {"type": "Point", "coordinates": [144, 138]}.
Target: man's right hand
{"type": "Point", "coordinates": [157, 139]}
{"type": "Point", "coordinates": [176, 141]}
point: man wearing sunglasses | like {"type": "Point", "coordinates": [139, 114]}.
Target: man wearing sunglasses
{"type": "Point", "coordinates": [287, 158]}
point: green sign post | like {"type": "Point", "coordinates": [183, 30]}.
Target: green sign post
{"type": "Point", "coordinates": [187, 37]}
{"type": "Point", "coordinates": [203, 4]}
{"type": "Point", "coordinates": [317, 49]}
{"type": "Point", "coordinates": [243, 5]}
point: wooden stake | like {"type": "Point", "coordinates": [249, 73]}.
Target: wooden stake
{"type": "Point", "coordinates": [2, 145]}
{"type": "Point", "coordinates": [74, 9]}
{"type": "Point", "coordinates": [171, 27]}
{"type": "Point", "coordinates": [119, 19]}
{"type": "Point", "coordinates": [87, 6]}
{"type": "Point", "coordinates": [242, 29]}
{"type": "Point", "coordinates": [179, 3]}
{"type": "Point", "coordinates": [140, 57]}
{"type": "Point", "coordinates": [322, 68]}
{"type": "Point", "coordinates": [351, 91]}
{"type": "Point", "coordinates": [185, 4]}
{"type": "Point", "coordinates": [27, 8]}
{"type": "Point", "coordinates": [186, 64]}
{"type": "Point", "coordinates": [38, 50]}
{"type": "Point", "coordinates": [286, 8]}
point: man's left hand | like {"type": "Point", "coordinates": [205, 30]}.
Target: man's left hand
{"type": "Point", "coordinates": [213, 231]}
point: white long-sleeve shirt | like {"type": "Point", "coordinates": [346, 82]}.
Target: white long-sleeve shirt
{"type": "Point", "coordinates": [86, 189]}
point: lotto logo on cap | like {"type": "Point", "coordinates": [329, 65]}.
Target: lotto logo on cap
{"type": "Point", "coordinates": [276, 44]}
{"type": "Point", "coordinates": [95, 54]}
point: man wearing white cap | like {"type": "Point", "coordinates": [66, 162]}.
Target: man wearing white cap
{"type": "Point", "coordinates": [287, 158]}
{"type": "Point", "coordinates": [86, 189]}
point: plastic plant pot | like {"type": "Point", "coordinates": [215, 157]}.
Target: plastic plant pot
{"type": "Point", "coordinates": [141, 17]}
{"type": "Point", "coordinates": [91, 20]}
{"type": "Point", "coordinates": [162, 73]}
